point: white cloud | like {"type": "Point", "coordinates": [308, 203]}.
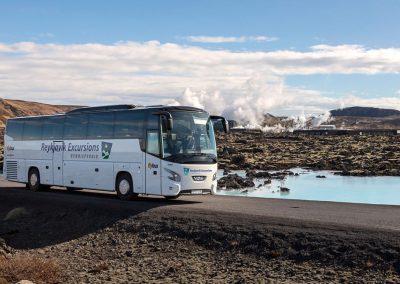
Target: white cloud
{"type": "Point", "coordinates": [242, 85]}
{"type": "Point", "coordinates": [222, 39]}
{"type": "Point", "coordinates": [46, 35]}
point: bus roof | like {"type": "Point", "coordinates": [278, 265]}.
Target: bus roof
{"type": "Point", "coordinates": [122, 107]}
{"type": "Point", "coordinates": [131, 107]}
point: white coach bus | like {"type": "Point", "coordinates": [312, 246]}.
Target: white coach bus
{"type": "Point", "coordinates": [156, 150]}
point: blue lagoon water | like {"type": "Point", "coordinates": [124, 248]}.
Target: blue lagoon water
{"type": "Point", "coordinates": [306, 186]}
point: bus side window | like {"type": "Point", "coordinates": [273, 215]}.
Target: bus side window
{"type": "Point", "coordinates": [153, 144]}
{"type": "Point", "coordinates": [32, 129]}
{"type": "Point", "coordinates": [14, 128]}
{"type": "Point", "coordinates": [75, 127]}
{"type": "Point", "coordinates": [153, 121]}
{"type": "Point", "coordinates": [101, 126]}
{"type": "Point", "coordinates": [53, 128]}
{"type": "Point", "coordinates": [129, 124]}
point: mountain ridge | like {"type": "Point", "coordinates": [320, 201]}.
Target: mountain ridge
{"type": "Point", "coordinates": [359, 111]}
{"type": "Point", "coordinates": [14, 108]}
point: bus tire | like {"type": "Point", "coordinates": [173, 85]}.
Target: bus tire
{"type": "Point", "coordinates": [70, 189]}
{"type": "Point", "coordinates": [45, 187]}
{"type": "Point", "coordinates": [124, 187]}
{"type": "Point", "coordinates": [34, 179]}
{"type": "Point", "coordinates": [171, 197]}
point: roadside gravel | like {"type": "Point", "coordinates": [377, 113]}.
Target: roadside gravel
{"type": "Point", "coordinates": [100, 240]}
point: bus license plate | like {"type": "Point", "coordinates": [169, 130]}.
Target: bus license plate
{"type": "Point", "coordinates": [197, 191]}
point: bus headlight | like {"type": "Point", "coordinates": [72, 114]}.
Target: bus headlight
{"type": "Point", "coordinates": [214, 176]}
{"type": "Point", "coordinates": [173, 175]}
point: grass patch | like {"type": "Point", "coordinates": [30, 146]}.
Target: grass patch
{"type": "Point", "coordinates": [26, 267]}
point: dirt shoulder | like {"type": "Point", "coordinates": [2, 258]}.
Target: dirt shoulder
{"type": "Point", "coordinates": [100, 239]}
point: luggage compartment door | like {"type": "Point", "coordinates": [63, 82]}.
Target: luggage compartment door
{"type": "Point", "coordinates": [58, 162]}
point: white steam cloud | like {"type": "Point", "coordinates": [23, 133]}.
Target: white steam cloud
{"type": "Point", "coordinates": [246, 105]}
{"type": "Point", "coordinates": [321, 119]}
{"type": "Point", "coordinates": [240, 85]}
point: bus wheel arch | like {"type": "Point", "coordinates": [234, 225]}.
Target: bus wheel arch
{"type": "Point", "coordinates": [33, 179]}
{"type": "Point", "coordinates": [124, 186]}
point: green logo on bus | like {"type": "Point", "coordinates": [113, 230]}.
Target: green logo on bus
{"type": "Point", "coordinates": [186, 171]}
{"type": "Point", "coordinates": [106, 150]}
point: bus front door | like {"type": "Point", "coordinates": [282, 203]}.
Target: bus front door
{"type": "Point", "coordinates": [153, 163]}
{"type": "Point", "coordinates": [58, 162]}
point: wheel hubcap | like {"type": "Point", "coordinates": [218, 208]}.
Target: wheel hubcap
{"type": "Point", "coordinates": [33, 179]}
{"type": "Point", "coordinates": [124, 186]}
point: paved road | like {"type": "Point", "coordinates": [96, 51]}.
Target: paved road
{"type": "Point", "coordinates": [308, 212]}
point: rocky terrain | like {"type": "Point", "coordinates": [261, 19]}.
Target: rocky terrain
{"type": "Point", "coordinates": [15, 108]}
{"type": "Point", "coordinates": [366, 155]}
{"type": "Point", "coordinates": [350, 155]}
{"type": "Point", "coordinates": [353, 122]}
{"type": "Point", "coordinates": [54, 237]}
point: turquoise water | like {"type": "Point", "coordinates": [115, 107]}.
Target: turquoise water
{"type": "Point", "coordinates": [306, 186]}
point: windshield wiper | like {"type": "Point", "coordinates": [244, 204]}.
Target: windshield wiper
{"type": "Point", "coordinates": [185, 158]}
{"type": "Point", "coordinates": [208, 155]}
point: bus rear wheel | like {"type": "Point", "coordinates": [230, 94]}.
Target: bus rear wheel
{"type": "Point", "coordinates": [173, 197]}
{"type": "Point", "coordinates": [124, 187]}
{"type": "Point", "coordinates": [34, 180]}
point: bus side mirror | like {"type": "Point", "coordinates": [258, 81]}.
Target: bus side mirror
{"type": "Point", "coordinates": [166, 120]}
{"type": "Point", "coordinates": [218, 120]}
{"type": "Point", "coordinates": [226, 126]}
{"type": "Point", "coordinates": [170, 123]}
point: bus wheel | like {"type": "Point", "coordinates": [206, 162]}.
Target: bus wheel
{"type": "Point", "coordinates": [73, 188]}
{"type": "Point", "coordinates": [124, 187]}
{"type": "Point", "coordinates": [34, 180]}
{"type": "Point", "coordinates": [45, 187]}
{"type": "Point", "coordinates": [171, 197]}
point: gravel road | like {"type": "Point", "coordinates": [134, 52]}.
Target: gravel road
{"type": "Point", "coordinates": [98, 238]}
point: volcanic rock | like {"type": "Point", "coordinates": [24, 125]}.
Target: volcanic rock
{"type": "Point", "coordinates": [234, 181]}
{"type": "Point", "coordinates": [257, 174]}
{"type": "Point", "coordinates": [284, 189]}
{"type": "Point", "coordinates": [354, 155]}
{"type": "Point", "coordinates": [267, 181]}
{"type": "Point", "coordinates": [238, 159]}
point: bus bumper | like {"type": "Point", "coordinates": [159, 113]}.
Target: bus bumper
{"type": "Point", "coordinates": [195, 191]}
{"type": "Point", "coordinates": [176, 189]}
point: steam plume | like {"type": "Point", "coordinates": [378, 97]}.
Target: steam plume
{"type": "Point", "coordinates": [258, 96]}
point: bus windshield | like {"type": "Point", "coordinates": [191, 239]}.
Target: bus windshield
{"type": "Point", "coordinates": [191, 139]}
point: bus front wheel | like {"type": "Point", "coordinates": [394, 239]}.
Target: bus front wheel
{"type": "Point", "coordinates": [173, 197]}
{"type": "Point", "coordinates": [124, 187]}
{"type": "Point", "coordinates": [34, 180]}
{"type": "Point", "coordinates": [70, 189]}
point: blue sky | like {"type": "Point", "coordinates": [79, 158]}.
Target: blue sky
{"type": "Point", "coordinates": [235, 26]}
{"type": "Point", "coordinates": [298, 24]}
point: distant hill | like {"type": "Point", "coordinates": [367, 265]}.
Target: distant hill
{"type": "Point", "coordinates": [14, 108]}
{"type": "Point", "coordinates": [346, 118]}
{"type": "Point", "coordinates": [366, 117]}
{"type": "Point", "coordinates": [364, 112]}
